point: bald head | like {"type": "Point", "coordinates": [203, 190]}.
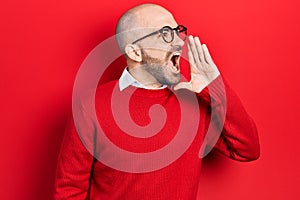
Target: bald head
{"type": "Point", "coordinates": [137, 22]}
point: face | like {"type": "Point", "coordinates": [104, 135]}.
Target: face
{"type": "Point", "coordinates": [159, 58]}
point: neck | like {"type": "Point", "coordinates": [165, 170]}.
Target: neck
{"type": "Point", "coordinates": [144, 77]}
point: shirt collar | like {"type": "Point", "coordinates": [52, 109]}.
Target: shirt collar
{"type": "Point", "coordinates": [127, 79]}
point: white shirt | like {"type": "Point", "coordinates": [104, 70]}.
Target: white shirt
{"type": "Point", "coordinates": [127, 79]}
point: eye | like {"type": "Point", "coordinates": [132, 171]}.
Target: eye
{"type": "Point", "coordinates": [165, 33]}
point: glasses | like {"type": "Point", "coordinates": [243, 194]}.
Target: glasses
{"type": "Point", "coordinates": [167, 33]}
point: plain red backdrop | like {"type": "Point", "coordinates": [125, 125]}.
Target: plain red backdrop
{"type": "Point", "coordinates": [255, 44]}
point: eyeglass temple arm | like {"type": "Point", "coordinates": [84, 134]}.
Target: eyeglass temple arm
{"type": "Point", "coordinates": [146, 36]}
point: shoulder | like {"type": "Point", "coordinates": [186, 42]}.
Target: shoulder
{"type": "Point", "coordinates": [107, 88]}
{"type": "Point", "coordinates": [103, 93]}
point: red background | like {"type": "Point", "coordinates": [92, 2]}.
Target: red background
{"type": "Point", "coordinates": [255, 44]}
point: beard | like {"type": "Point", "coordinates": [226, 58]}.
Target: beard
{"type": "Point", "coordinates": [159, 69]}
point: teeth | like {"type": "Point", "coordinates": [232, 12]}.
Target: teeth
{"type": "Point", "coordinates": [176, 54]}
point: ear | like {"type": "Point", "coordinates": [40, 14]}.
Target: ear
{"type": "Point", "coordinates": [133, 52]}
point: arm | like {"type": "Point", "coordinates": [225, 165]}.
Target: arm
{"type": "Point", "coordinates": [74, 167]}
{"type": "Point", "coordinates": [239, 138]}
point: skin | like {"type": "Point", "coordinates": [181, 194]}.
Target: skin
{"type": "Point", "coordinates": [147, 60]}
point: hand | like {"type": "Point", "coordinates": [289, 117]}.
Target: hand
{"type": "Point", "coordinates": [203, 69]}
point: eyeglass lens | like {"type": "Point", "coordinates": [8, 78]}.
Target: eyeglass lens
{"type": "Point", "coordinates": [181, 32]}
{"type": "Point", "coordinates": [168, 33]}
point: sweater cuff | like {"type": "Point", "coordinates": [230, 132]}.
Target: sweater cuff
{"type": "Point", "coordinates": [214, 93]}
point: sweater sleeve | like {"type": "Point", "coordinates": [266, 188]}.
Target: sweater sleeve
{"type": "Point", "coordinates": [239, 137]}
{"type": "Point", "coordinates": [74, 167]}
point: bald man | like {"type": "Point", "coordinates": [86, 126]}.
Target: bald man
{"type": "Point", "coordinates": [157, 62]}
{"type": "Point", "coordinates": [152, 41]}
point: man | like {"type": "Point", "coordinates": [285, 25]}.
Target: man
{"type": "Point", "coordinates": [152, 42]}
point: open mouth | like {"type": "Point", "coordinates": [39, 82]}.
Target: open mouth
{"type": "Point", "coordinates": [174, 62]}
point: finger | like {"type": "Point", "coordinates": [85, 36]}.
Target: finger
{"type": "Point", "coordinates": [194, 50]}
{"type": "Point", "coordinates": [191, 59]}
{"type": "Point", "coordinates": [190, 55]}
{"type": "Point", "coordinates": [207, 54]}
{"type": "Point", "coordinates": [199, 49]}
{"type": "Point", "coordinates": [183, 85]}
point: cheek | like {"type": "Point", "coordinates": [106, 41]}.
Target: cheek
{"type": "Point", "coordinates": [158, 54]}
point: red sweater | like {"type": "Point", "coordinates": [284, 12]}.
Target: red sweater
{"type": "Point", "coordinates": [81, 176]}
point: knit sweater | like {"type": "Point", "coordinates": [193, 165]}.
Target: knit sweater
{"type": "Point", "coordinates": [81, 176]}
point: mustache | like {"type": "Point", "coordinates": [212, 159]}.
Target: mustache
{"type": "Point", "coordinates": [176, 48]}
{"type": "Point", "coordinates": [172, 50]}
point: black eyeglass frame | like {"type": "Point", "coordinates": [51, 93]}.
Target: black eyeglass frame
{"type": "Point", "coordinates": [178, 29]}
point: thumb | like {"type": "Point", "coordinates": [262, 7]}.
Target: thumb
{"type": "Point", "coordinates": [183, 85]}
